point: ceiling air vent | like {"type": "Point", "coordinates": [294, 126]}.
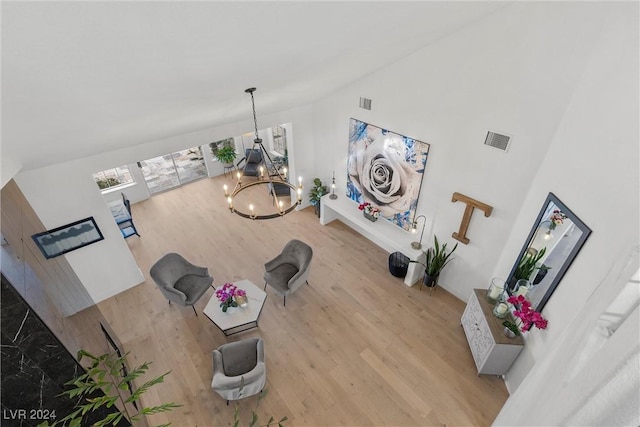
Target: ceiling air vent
{"type": "Point", "coordinates": [365, 103]}
{"type": "Point", "coordinates": [497, 140]}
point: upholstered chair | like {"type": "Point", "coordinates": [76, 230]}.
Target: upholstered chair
{"type": "Point", "coordinates": [238, 369]}
{"type": "Point", "coordinates": [179, 280]}
{"type": "Point", "coordinates": [251, 162]}
{"type": "Point", "coordinates": [290, 269]}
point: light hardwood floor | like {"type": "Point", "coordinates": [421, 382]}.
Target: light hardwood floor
{"type": "Point", "coordinates": [354, 348]}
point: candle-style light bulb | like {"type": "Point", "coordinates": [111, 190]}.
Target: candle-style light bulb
{"type": "Point", "coordinates": [284, 172]}
{"type": "Point", "coordinates": [300, 181]}
{"type": "Point", "coordinates": [230, 200]}
{"type": "Point", "coordinates": [261, 171]}
{"type": "Point", "coordinates": [226, 192]}
{"type": "Point", "coordinates": [280, 204]}
{"type": "Point", "coordinates": [251, 209]}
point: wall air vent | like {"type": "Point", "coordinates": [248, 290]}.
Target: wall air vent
{"type": "Point", "coordinates": [365, 103]}
{"type": "Point", "coordinates": [497, 140]}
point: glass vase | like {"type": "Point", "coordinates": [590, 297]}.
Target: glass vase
{"type": "Point", "coordinates": [242, 301]}
{"type": "Point", "coordinates": [496, 290]}
{"type": "Point", "coordinates": [501, 309]}
{"type": "Point", "coordinates": [523, 286]}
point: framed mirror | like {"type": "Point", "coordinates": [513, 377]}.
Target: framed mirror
{"type": "Point", "coordinates": [554, 241]}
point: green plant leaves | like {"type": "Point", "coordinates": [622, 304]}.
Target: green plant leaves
{"type": "Point", "coordinates": [437, 257]}
{"type": "Point", "coordinates": [105, 373]}
{"type": "Point", "coordinates": [317, 191]}
{"type": "Point", "coordinates": [527, 264]}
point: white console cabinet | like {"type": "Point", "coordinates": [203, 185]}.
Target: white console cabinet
{"type": "Point", "coordinates": [492, 351]}
{"type": "Point", "coordinates": [383, 233]}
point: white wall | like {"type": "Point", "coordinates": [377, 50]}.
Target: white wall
{"type": "Point", "coordinates": [514, 73]}
{"type": "Point", "coordinates": [592, 166]}
{"type": "Point", "coordinates": [63, 193]}
{"type": "Point", "coordinates": [562, 79]}
{"type": "Point", "coordinates": [8, 169]}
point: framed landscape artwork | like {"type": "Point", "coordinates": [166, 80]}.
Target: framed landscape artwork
{"type": "Point", "coordinates": [53, 243]}
{"type": "Point", "coordinates": [385, 169]}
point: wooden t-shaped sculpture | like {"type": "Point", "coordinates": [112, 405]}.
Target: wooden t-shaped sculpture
{"type": "Point", "coordinates": [466, 218]}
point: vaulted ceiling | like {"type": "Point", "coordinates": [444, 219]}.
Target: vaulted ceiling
{"type": "Point", "coordinates": [81, 78]}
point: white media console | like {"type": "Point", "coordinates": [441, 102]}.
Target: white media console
{"type": "Point", "coordinates": [383, 233]}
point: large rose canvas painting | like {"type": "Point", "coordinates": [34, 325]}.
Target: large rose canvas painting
{"type": "Point", "coordinates": [385, 169]}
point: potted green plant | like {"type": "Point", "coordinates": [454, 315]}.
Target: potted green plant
{"type": "Point", "coordinates": [437, 257]}
{"type": "Point", "coordinates": [317, 191]}
{"type": "Point", "coordinates": [511, 330]}
{"type": "Point", "coordinates": [527, 265]}
{"type": "Point", "coordinates": [226, 155]}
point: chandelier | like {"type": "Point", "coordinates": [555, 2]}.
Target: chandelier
{"type": "Point", "coordinates": [268, 194]}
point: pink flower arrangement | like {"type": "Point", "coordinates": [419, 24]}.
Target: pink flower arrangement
{"type": "Point", "coordinates": [556, 218]}
{"type": "Point", "coordinates": [369, 209]}
{"type": "Point", "coordinates": [529, 316]}
{"type": "Point", "coordinates": [226, 295]}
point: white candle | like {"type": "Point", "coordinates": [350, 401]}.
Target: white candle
{"type": "Point", "coordinates": [226, 193]}
{"type": "Point", "coordinates": [502, 308]}
{"type": "Point", "coordinates": [494, 292]}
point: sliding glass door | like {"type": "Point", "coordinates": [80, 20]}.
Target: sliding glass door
{"type": "Point", "coordinates": [172, 170]}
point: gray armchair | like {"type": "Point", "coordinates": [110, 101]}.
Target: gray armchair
{"type": "Point", "coordinates": [239, 369]}
{"type": "Point", "coordinates": [290, 270]}
{"type": "Point", "coordinates": [252, 161]}
{"type": "Point", "coordinates": [179, 280]}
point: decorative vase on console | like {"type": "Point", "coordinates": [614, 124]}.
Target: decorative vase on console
{"type": "Point", "coordinates": [370, 217]}
{"type": "Point", "coordinates": [370, 212]}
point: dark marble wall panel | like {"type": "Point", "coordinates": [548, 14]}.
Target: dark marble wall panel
{"type": "Point", "coordinates": [34, 366]}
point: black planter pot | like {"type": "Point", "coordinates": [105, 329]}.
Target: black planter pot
{"type": "Point", "coordinates": [429, 281]}
{"type": "Point", "coordinates": [541, 273]}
